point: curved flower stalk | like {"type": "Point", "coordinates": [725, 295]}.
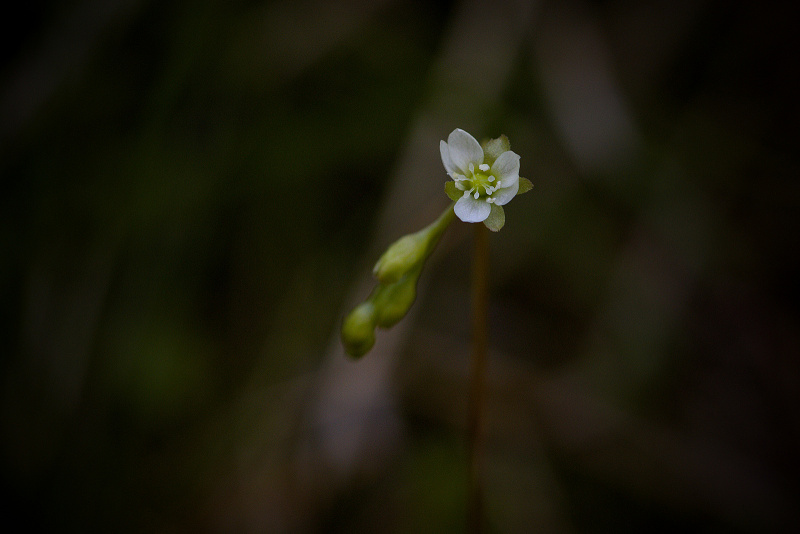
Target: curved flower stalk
{"type": "Point", "coordinates": [485, 177]}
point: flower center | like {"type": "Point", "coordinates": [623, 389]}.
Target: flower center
{"type": "Point", "coordinates": [478, 182]}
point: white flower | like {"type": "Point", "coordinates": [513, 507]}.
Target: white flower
{"type": "Point", "coordinates": [484, 181]}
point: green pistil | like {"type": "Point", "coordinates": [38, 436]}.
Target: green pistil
{"type": "Point", "coordinates": [480, 183]}
{"type": "Point", "coordinates": [483, 181]}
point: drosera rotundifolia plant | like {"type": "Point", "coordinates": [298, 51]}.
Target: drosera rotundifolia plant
{"type": "Point", "coordinates": [485, 177]}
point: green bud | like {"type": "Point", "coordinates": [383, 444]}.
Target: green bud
{"type": "Point", "coordinates": [401, 257]}
{"type": "Point", "coordinates": [410, 251]}
{"type": "Point", "coordinates": [358, 329]}
{"type": "Point", "coordinates": [398, 271]}
{"type": "Point", "coordinates": [392, 301]}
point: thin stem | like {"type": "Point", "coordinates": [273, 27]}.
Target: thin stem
{"type": "Point", "coordinates": [480, 307]}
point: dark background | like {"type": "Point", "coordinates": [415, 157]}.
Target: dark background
{"type": "Point", "coordinates": [193, 196]}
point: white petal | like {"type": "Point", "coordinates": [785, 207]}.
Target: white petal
{"type": "Point", "coordinates": [470, 210]}
{"type": "Point", "coordinates": [464, 149]}
{"type": "Point", "coordinates": [503, 196]}
{"type": "Point", "coordinates": [506, 168]}
{"type": "Point", "coordinates": [448, 163]}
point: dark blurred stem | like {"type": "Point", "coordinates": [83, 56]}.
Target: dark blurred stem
{"type": "Point", "coordinates": [480, 307]}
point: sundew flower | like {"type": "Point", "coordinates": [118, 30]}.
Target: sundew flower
{"type": "Point", "coordinates": [484, 177]}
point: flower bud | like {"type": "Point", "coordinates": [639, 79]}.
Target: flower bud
{"type": "Point", "coordinates": [408, 253]}
{"type": "Point", "coordinates": [397, 271]}
{"type": "Point", "coordinates": [392, 301]}
{"type": "Point", "coordinates": [401, 257]}
{"type": "Point", "coordinates": [358, 330]}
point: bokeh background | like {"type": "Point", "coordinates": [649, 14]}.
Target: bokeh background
{"type": "Point", "coordinates": [194, 193]}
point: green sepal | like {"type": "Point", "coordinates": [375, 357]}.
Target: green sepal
{"type": "Point", "coordinates": [492, 148]}
{"type": "Point", "coordinates": [525, 185]}
{"type": "Point", "coordinates": [452, 191]}
{"type": "Point", "coordinates": [496, 219]}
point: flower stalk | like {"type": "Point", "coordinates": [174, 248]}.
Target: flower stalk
{"type": "Point", "coordinates": [478, 368]}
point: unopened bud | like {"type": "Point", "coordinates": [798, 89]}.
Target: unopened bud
{"type": "Point", "coordinates": [408, 253]}
{"type": "Point", "coordinates": [401, 257]}
{"type": "Point", "coordinates": [358, 330]}
{"type": "Point", "coordinates": [392, 301]}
